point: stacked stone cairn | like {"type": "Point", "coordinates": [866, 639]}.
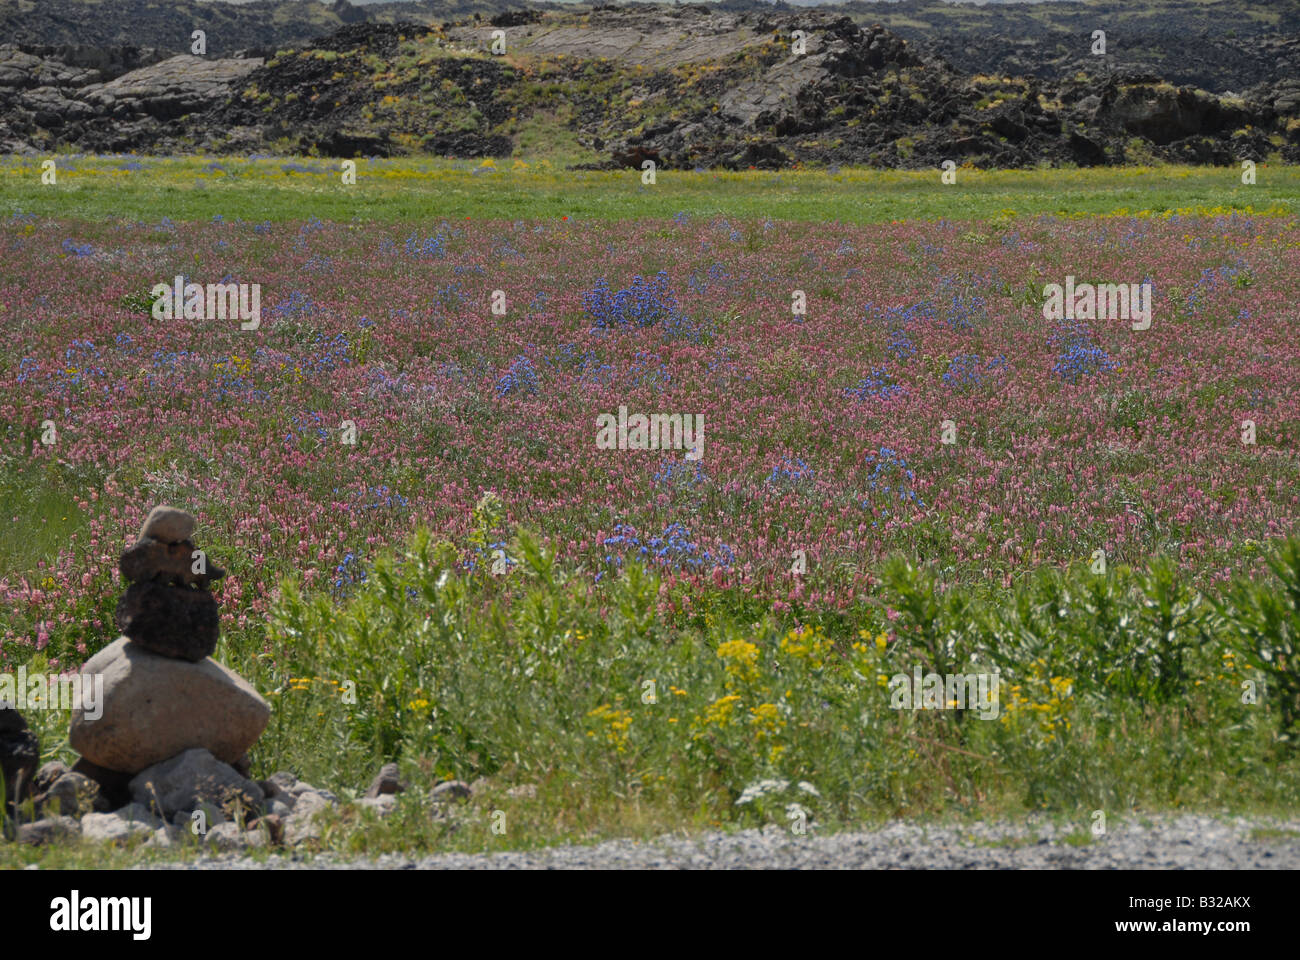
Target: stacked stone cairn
{"type": "Point", "coordinates": [166, 757]}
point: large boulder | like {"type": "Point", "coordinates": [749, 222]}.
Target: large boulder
{"type": "Point", "coordinates": [156, 707]}
{"type": "Point", "coordinates": [192, 780]}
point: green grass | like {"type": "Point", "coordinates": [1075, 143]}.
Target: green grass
{"type": "Point", "coordinates": [185, 189]}
{"type": "Point", "coordinates": [1120, 695]}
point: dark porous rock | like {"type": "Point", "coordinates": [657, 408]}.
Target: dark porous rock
{"type": "Point", "coordinates": [171, 621]}
{"type": "Point", "coordinates": [386, 781]}
{"type": "Point", "coordinates": [46, 776]}
{"type": "Point", "coordinates": [72, 795]}
{"type": "Point", "coordinates": [19, 753]}
{"type": "Point", "coordinates": [171, 563]}
{"type": "Point", "coordinates": [114, 787]}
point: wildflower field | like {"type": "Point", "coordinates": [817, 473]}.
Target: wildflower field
{"type": "Point", "coordinates": [919, 469]}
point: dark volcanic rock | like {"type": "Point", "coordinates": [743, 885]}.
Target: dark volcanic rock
{"type": "Point", "coordinates": [178, 622]}
{"type": "Point", "coordinates": [683, 86]}
{"type": "Point", "coordinates": [167, 563]}
{"type": "Point", "coordinates": [19, 754]}
{"type": "Point", "coordinates": [114, 786]}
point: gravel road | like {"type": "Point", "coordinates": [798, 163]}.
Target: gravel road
{"type": "Point", "coordinates": [1159, 843]}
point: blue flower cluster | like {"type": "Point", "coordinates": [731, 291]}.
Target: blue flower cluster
{"type": "Point", "coordinates": [296, 306]}
{"type": "Point", "coordinates": [673, 548]}
{"type": "Point", "coordinates": [674, 474]}
{"type": "Point", "coordinates": [890, 481]}
{"type": "Point", "coordinates": [383, 499]}
{"type": "Point", "coordinates": [426, 248]}
{"type": "Point", "coordinates": [74, 249]}
{"type": "Point", "coordinates": [328, 353]}
{"type": "Point", "coordinates": [900, 344]}
{"type": "Point", "coordinates": [490, 552]}
{"type": "Point", "coordinates": [308, 423]}
{"type": "Point", "coordinates": [1208, 283]}
{"type": "Point", "coordinates": [790, 473]}
{"type": "Point", "coordinates": [520, 378]}
{"type": "Point", "coordinates": [645, 373]}
{"type": "Point", "coordinates": [81, 362]}
{"type": "Point", "coordinates": [963, 370]}
{"type": "Point", "coordinates": [1080, 356]}
{"type": "Point", "coordinates": [877, 385]}
{"type": "Point", "coordinates": [644, 304]}
{"type": "Point", "coordinates": [347, 575]}
{"type": "Point", "coordinates": [716, 275]}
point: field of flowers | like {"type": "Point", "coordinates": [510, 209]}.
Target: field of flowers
{"type": "Point", "coordinates": [822, 432]}
{"type": "Point", "coordinates": [823, 438]}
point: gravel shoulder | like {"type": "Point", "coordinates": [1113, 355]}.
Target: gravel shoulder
{"type": "Point", "coordinates": [1159, 843]}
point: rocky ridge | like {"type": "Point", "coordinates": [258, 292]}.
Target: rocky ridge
{"type": "Point", "coordinates": [680, 85]}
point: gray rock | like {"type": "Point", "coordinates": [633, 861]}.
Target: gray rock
{"type": "Point", "coordinates": [48, 830]}
{"type": "Point", "coordinates": [227, 836]}
{"type": "Point", "coordinates": [184, 819]}
{"type": "Point", "coordinates": [168, 524]}
{"type": "Point", "coordinates": [156, 707]}
{"type": "Point", "coordinates": [301, 824]}
{"type": "Point", "coordinates": [194, 777]}
{"type": "Point", "coordinates": [387, 780]}
{"type": "Point", "coordinates": [383, 805]}
{"type": "Point", "coordinates": [449, 791]}
{"type": "Point", "coordinates": [71, 795]}
{"type": "Point", "coordinates": [524, 791]}
{"type": "Point", "coordinates": [46, 776]}
{"type": "Point", "coordinates": [280, 808]}
{"type": "Point", "coordinates": [278, 785]}
{"type": "Point", "coordinates": [101, 827]}
{"type": "Point", "coordinates": [138, 813]}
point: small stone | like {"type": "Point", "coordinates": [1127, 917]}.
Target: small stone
{"type": "Point", "coordinates": [46, 776]}
{"type": "Point", "coordinates": [166, 836]}
{"type": "Point", "coordinates": [72, 795]}
{"type": "Point", "coordinates": [168, 524]}
{"type": "Point", "coordinates": [278, 783]}
{"type": "Point", "coordinates": [524, 791]}
{"type": "Point", "coordinates": [386, 781]}
{"type": "Point", "coordinates": [383, 805]}
{"type": "Point", "coordinates": [279, 807]}
{"type": "Point", "coordinates": [48, 830]}
{"type": "Point", "coordinates": [100, 827]}
{"type": "Point", "coordinates": [301, 825]}
{"type": "Point", "coordinates": [226, 836]}
{"type": "Point", "coordinates": [450, 790]}
{"type": "Point", "coordinates": [273, 824]}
